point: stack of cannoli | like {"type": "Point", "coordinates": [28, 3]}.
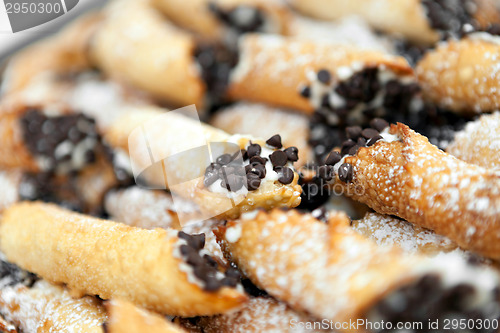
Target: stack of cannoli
{"type": "Point", "coordinates": [254, 166]}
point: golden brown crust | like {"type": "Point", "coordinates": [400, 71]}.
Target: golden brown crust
{"type": "Point", "coordinates": [298, 259]}
{"type": "Point", "coordinates": [63, 53]}
{"type": "Point", "coordinates": [416, 181]}
{"type": "Point", "coordinates": [108, 259]}
{"type": "Point", "coordinates": [136, 45]}
{"type": "Point", "coordinates": [125, 317]}
{"type": "Point", "coordinates": [461, 75]}
{"type": "Point", "coordinates": [46, 308]}
{"type": "Point", "coordinates": [272, 69]}
{"type": "Point", "coordinates": [479, 142]}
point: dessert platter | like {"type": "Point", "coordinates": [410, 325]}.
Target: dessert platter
{"type": "Point", "coordinates": [254, 166]}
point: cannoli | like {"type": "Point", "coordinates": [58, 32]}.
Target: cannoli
{"type": "Point", "coordinates": [48, 308]}
{"type": "Point", "coordinates": [264, 121]}
{"type": "Point", "coordinates": [225, 19]}
{"type": "Point", "coordinates": [479, 142]}
{"type": "Point", "coordinates": [260, 314]}
{"type": "Point", "coordinates": [136, 45]}
{"type": "Point", "coordinates": [421, 21]}
{"type": "Point", "coordinates": [36, 140]}
{"type": "Point", "coordinates": [461, 75]}
{"type": "Point", "coordinates": [162, 270]}
{"type": "Point", "coordinates": [388, 230]}
{"type": "Point", "coordinates": [334, 273]}
{"type": "Point", "coordinates": [398, 172]}
{"type": "Point", "coordinates": [255, 179]}
{"type": "Point", "coordinates": [125, 317]}
{"type": "Point", "coordinates": [63, 53]}
{"type": "Point", "coordinates": [345, 83]}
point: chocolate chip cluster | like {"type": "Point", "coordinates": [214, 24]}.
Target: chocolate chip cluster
{"type": "Point", "coordinates": [234, 176]}
{"type": "Point", "coordinates": [65, 143]}
{"type": "Point", "coordinates": [356, 138]}
{"type": "Point", "coordinates": [450, 17]}
{"type": "Point", "coordinates": [429, 299]}
{"type": "Point", "coordinates": [205, 268]}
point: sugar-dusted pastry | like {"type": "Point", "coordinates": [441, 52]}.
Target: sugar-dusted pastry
{"type": "Point", "coordinates": [45, 307]}
{"type": "Point", "coordinates": [226, 19]}
{"type": "Point", "coordinates": [421, 21]}
{"type": "Point", "coordinates": [461, 75]}
{"type": "Point", "coordinates": [7, 327]}
{"type": "Point", "coordinates": [35, 141]}
{"type": "Point", "coordinates": [171, 151]}
{"type": "Point", "coordinates": [162, 270]}
{"type": "Point", "coordinates": [479, 142]}
{"type": "Point", "coordinates": [388, 230]}
{"type": "Point", "coordinates": [263, 121]}
{"type": "Point", "coordinates": [334, 273]}
{"type": "Point", "coordinates": [125, 317]}
{"type": "Point", "coordinates": [396, 171]}
{"type": "Point", "coordinates": [64, 53]}
{"type": "Point", "coordinates": [347, 83]}
{"type": "Point", "coordinates": [260, 314]}
{"type": "Point", "coordinates": [137, 45]}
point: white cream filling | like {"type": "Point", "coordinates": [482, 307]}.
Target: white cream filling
{"type": "Point", "coordinates": [233, 233]}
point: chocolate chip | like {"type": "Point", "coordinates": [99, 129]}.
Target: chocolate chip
{"type": "Point", "coordinates": [223, 159]}
{"type": "Point", "coordinates": [379, 124]}
{"type": "Point", "coordinates": [253, 182]}
{"type": "Point", "coordinates": [361, 142]}
{"type": "Point", "coordinates": [210, 178]}
{"type": "Point", "coordinates": [235, 182]}
{"type": "Point", "coordinates": [353, 132]}
{"type": "Point", "coordinates": [233, 273]}
{"type": "Point", "coordinates": [305, 92]}
{"type": "Point", "coordinates": [346, 172]}
{"type": "Point", "coordinates": [258, 169]}
{"type": "Point", "coordinates": [325, 100]}
{"type": "Point", "coordinates": [196, 241]}
{"type": "Point", "coordinates": [193, 258]}
{"type": "Point", "coordinates": [286, 176]}
{"type": "Point", "coordinates": [326, 172]}
{"type": "Point", "coordinates": [253, 150]}
{"type": "Point", "coordinates": [244, 154]}
{"type": "Point", "coordinates": [346, 146]}
{"type": "Point", "coordinates": [353, 150]}
{"type": "Point", "coordinates": [275, 141]}
{"type": "Point", "coordinates": [369, 133]}
{"type": "Point", "coordinates": [324, 76]}
{"type": "Point", "coordinates": [258, 159]}
{"type": "Point", "coordinates": [333, 158]}
{"type": "Point", "coordinates": [372, 141]}
{"type": "Point", "coordinates": [292, 153]}
{"type": "Point", "coordinates": [278, 158]}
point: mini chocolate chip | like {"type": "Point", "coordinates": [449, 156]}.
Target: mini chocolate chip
{"type": "Point", "coordinates": [244, 154]}
{"type": "Point", "coordinates": [372, 141]}
{"type": "Point", "coordinates": [278, 158]}
{"type": "Point", "coordinates": [333, 158]}
{"type": "Point", "coordinates": [325, 100]}
{"type": "Point", "coordinates": [346, 172]}
{"type": "Point", "coordinates": [361, 142]}
{"type": "Point", "coordinates": [210, 261]}
{"type": "Point", "coordinates": [253, 150]}
{"type": "Point", "coordinates": [305, 92]}
{"type": "Point", "coordinates": [346, 146]}
{"type": "Point", "coordinates": [379, 124]}
{"type": "Point", "coordinates": [212, 284]}
{"type": "Point", "coordinates": [275, 141]}
{"type": "Point", "coordinates": [326, 172]}
{"type": "Point", "coordinates": [253, 182]}
{"type": "Point", "coordinates": [292, 153]}
{"type": "Point", "coordinates": [233, 273]}
{"type": "Point", "coordinates": [234, 182]}
{"type": "Point", "coordinates": [286, 176]}
{"type": "Point", "coordinates": [229, 282]}
{"type": "Point", "coordinates": [196, 241]}
{"type": "Point", "coordinates": [210, 178]}
{"type": "Point", "coordinates": [259, 170]}
{"type": "Point", "coordinates": [353, 150]}
{"type": "Point", "coordinates": [185, 250]}
{"type": "Point", "coordinates": [223, 159]}
{"type": "Point", "coordinates": [258, 159]}
{"type": "Point", "coordinates": [369, 133]}
{"type": "Point", "coordinates": [353, 132]}
{"type": "Point", "coordinates": [193, 258]}
{"type": "Point", "coordinates": [324, 76]}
